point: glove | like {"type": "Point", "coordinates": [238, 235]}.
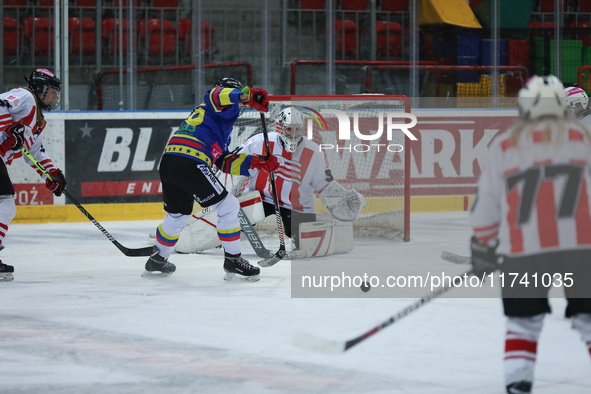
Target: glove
{"type": "Point", "coordinates": [257, 99]}
{"type": "Point", "coordinates": [15, 139]}
{"type": "Point", "coordinates": [58, 184]}
{"type": "Point", "coordinates": [265, 163]}
{"type": "Point", "coordinates": [484, 258]}
{"type": "Point", "coordinates": [18, 131]}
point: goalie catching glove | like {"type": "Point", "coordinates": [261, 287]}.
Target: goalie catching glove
{"type": "Point", "coordinates": [344, 205]}
{"type": "Point", "coordinates": [257, 98]}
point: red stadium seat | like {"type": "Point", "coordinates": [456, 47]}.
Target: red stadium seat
{"type": "Point", "coordinates": [15, 4]}
{"type": "Point", "coordinates": [111, 35]}
{"type": "Point", "coordinates": [548, 5]}
{"type": "Point", "coordinates": [538, 25]}
{"type": "Point", "coordinates": [41, 31]}
{"type": "Point", "coordinates": [395, 5]}
{"type": "Point", "coordinates": [166, 3]}
{"type": "Point", "coordinates": [585, 6]}
{"type": "Point", "coordinates": [86, 7]}
{"type": "Point", "coordinates": [349, 42]}
{"type": "Point", "coordinates": [161, 37]}
{"type": "Point", "coordinates": [125, 3]}
{"type": "Point", "coordinates": [585, 38]}
{"type": "Point", "coordinates": [354, 5]}
{"type": "Point", "coordinates": [207, 36]}
{"type": "Point", "coordinates": [82, 36]}
{"type": "Point", "coordinates": [312, 4]}
{"type": "Point", "coordinates": [389, 39]}
{"type": "Point", "coordinates": [11, 36]}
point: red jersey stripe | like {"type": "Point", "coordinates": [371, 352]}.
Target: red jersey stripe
{"type": "Point", "coordinates": [574, 135]}
{"type": "Point", "coordinates": [516, 237]}
{"type": "Point", "coordinates": [583, 217]}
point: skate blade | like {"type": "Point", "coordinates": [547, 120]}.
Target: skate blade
{"type": "Point", "coordinates": [155, 274]}
{"type": "Point", "coordinates": [6, 277]}
{"type": "Point", "coordinates": [232, 277]}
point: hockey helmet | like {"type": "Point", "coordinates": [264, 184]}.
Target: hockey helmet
{"type": "Point", "coordinates": [40, 81]}
{"type": "Point", "coordinates": [290, 127]}
{"type": "Point", "coordinates": [229, 83]}
{"type": "Point", "coordinates": [542, 96]}
{"type": "Point", "coordinates": [576, 99]}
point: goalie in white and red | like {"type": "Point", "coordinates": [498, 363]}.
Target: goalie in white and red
{"type": "Point", "coordinates": [303, 171]}
{"type": "Point", "coordinates": [532, 209]}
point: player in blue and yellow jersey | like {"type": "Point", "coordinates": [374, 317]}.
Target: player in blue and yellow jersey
{"type": "Point", "coordinates": [187, 175]}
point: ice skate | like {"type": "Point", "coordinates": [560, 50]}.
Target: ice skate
{"type": "Point", "coordinates": [238, 268]}
{"type": "Point", "coordinates": [522, 387]}
{"type": "Point", "coordinates": [157, 267]}
{"type": "Point", "coordinates": [6, 272]}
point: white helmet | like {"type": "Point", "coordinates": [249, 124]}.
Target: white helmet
{"type": "Point", "coordinates": [290, 126]}
{"type": "Point", "coordinates": [576, 99]}
{"type": "Point", "coordinates": [542, 96]}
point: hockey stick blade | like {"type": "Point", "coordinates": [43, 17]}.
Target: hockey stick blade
{"type": "Point", "coordinates": [147, 251]}
{"type": "Point", "coordinates": [455, 258]}
{"type": "Point", "coordinates": [271, 261]}
{"type": "Point", "coordinates": [306, 341]}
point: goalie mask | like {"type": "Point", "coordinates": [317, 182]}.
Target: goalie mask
{"type": "Point", "coordinates": [290, 127]}
{"type": "Point", "coordinates": [576, 99]}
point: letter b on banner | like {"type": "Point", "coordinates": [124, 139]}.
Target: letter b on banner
{"type": "Point", "coordinates": [117, 141]}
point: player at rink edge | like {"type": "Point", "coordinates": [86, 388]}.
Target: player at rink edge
{"type": "Point", "coordinates": [578, 101]}
{"type": "Point", "coordinates": [303, 170]}
{"type": "Point", "coordinates": [22, 125]}
{"type": "Point", "coordinates": [186, 173]}
{"type": "Point", "coordinates": [531, 215]}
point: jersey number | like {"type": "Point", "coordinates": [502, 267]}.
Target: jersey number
{"type": "Point", "coordinates": [533, 177]}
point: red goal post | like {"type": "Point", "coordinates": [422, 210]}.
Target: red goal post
{"type": "Point", "coordinates": [378, 168]}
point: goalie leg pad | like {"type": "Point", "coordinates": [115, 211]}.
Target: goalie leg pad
{"type": "Point", "coordinates": [325, 238]}
{"type": "Point", "coordinates": [201, 232]}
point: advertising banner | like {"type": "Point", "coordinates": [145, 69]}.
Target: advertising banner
{"type": "Point", "coordinates": [116, 160]}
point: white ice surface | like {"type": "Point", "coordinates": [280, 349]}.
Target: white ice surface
{"type": "Point", "coordinates": [78, 318]}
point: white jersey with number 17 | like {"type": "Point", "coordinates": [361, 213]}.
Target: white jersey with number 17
{"type": "Point", "coordinates": [534, 192]}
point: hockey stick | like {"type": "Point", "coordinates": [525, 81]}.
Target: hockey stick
{"type": "Point", "coordinates": [253, 236]}
{"type": "Point", "coordinates": [147, 251]}
{"type": "Point", "coordinates": [281, 253]}
{"type": "Point", "coordinates": [310, 342]}
{"type": "Point", "coordinates": [455, 258]}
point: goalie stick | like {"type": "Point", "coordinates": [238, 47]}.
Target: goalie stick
{"type": "Point", "coordinates": [455, 258]}
{"type": "Point", "coordinates": [310, 342]}
{"type": "Point", "coordinates": [281, 253]}
{"type": "Point", "coordinates": [147, 251]}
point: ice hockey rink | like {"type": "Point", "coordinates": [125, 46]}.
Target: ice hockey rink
{"type": "Point", "coordinates": [78, 318]}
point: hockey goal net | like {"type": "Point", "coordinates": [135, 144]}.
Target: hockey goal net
{"type": "Point", "coordinates": [379, 168]}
